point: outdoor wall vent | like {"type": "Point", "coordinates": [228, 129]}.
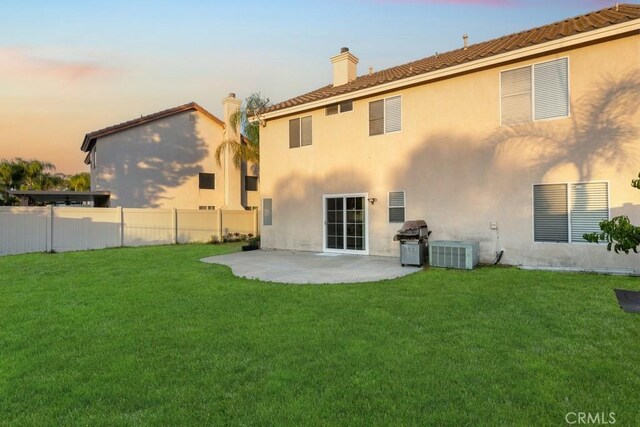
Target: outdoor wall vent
{"type": "Point", "coordinates": [454, 254]}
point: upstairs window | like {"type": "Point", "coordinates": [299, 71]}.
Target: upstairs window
{"type": "Point", "coordinates": [207, 181]}
{"type": "Point", "coordinates": [385, 115]}
{"type": "Point", "coordinates": [341, 107]}
{"type": "Point", "coordinates": [300, 132]}
{"type": "Point", "coordinates": [535, 92]}
{"type": "Point", "coordinates": [251, 183]}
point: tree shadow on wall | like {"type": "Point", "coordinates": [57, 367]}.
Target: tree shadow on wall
{"type": "Point", "coordinates": [148, 160]}
{"type": "Point", "coordinates": [464, 180]}
{"type": "Point", "coordinates": [602, 128]}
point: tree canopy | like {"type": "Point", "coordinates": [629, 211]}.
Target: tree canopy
{"type": "Point", "coordinates": [247, 150]}
{"type": "Point", "coordinates": [21, 174]}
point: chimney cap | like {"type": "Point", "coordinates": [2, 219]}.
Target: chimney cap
{"type": "Point", "coordinates": [232, 95]}
{"type": "Point", "coordinates": [344, 49]}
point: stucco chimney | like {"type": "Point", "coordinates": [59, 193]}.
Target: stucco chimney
{"type": "Point", "coordinates": [232, 175]}
{"type": "Point", "coordinates": [344, 67]}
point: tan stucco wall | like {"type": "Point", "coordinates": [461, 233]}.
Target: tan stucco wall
{"type": "Point", "coordinates": [157, 164]}
{"type": "Point", "coordinates": [459, 168]}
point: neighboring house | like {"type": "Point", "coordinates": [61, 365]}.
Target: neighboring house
{"type": "Point", "coordinates": [522, 143]}
{"type": "Point", "coordinates": [166, 160]}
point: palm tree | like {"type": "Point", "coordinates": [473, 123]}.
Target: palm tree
{"type": "Point", "coordinates": [20, 174]}
{"type": "Point", "coordinates": [248, 149]}
{"type": "Point", "coordinates": [79, 182]}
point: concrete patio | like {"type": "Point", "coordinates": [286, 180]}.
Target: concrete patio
{"type": "Point", "coordinates": [311, 267]}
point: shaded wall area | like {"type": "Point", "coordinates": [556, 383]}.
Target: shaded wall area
{"type": "Point", "coordinates": [157, 165]}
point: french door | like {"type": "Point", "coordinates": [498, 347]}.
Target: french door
{"type": "Point", "coordinates": [345, 223]}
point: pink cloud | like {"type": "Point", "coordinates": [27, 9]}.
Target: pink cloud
{"type": "Point", "coordinates": [21, 61]}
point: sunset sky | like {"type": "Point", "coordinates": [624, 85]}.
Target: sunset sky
{"type": "Point", "coordinates": [71, 67]}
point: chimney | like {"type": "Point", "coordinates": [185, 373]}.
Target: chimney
{"type": "Point", "coordinates": [232, 175]}
{"type": "Point", "coordinates": [344, 67]}
{"type": "Point", "coordinates": [465, 40]}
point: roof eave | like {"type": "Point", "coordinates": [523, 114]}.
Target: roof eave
{"type": "Point", "coordinates": [90, 138]}
{"type": "Point", "coordinates": [522, 53]}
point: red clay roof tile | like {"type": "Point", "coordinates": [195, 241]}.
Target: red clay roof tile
{"type": "Point", "coordinates": [568, 27]}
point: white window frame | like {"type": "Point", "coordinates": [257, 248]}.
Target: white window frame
{"type": "Point", "coordinates": [384, 116]}
{"type": "Point", "coordinates": [366, 224]}
{"type": "Point", "coordinates": [569, 201]}
{"type": "Point", "coordinates": [404, 205]}
{"type": "Point", "coordinates": [533, 92]}
{"type": "Point", "coordinates": [339, 105]}
{"type": "Point", "coordinates": [263, 212]}
{"type": "Point", "coordinates": [300, 131]}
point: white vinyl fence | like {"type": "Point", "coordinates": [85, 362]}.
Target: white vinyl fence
{"type": "Point", "coordinates": [60, 229]}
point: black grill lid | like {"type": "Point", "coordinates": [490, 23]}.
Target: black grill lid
{"type": "Point", "coordinates": [415, 224]}
{"type": "Point", "coordinates": [414, 229]}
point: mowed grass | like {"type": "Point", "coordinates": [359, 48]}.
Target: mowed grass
{"type": "Point", "coordinates": [153, 336]}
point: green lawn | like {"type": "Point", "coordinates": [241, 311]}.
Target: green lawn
{"type": "Point", "coordinates": [153, 336]}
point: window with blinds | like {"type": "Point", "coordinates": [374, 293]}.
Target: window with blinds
{"type": "Point", "coordinates": [589, 206]}
{"type": "Point", "coordinates": [535, 92]}
{"type": "Point", "coordinates": [565, 212]}
{"type": "Point", "coordinates": [267, 211]}
{"type": "Point", "coordinates": [550, 213]}
{"type": "Point", "coordinates": [300, 131]}
{"type": "Point", "coordinates": [385, 115]}
{"type": "Point", "coordinates": [396, 206]}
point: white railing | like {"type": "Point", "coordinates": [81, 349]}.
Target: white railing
{"type": "Point", "coordinates": [61, 229]}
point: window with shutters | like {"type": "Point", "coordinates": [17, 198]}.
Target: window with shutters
{"type": "Point", "coordinates": [535, 92]}
{"type": "Point", "coordinates": [300, 130]}
{"type": "Point", "coordinates": [267, 211]}
{"type": "Point", "coordinates": [385, 115]}
{"type": "Point", "coordinates": [565, 212]}
{"type": "Point", "coordinates": [396, 206]}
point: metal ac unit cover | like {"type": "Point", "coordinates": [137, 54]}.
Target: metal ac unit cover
{"type": "Point", "coordinates": [454, 254]}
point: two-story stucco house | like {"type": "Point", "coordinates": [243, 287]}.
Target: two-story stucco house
{"type": "Point", "coordinates": [167, 160]}
{"type": "Point", "coordinates": [522, 143]}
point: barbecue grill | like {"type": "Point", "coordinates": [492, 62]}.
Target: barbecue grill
{"type": "Point", "coordinates": [413, 230]}
{"type": "Point", "coordinates": [414, 238]}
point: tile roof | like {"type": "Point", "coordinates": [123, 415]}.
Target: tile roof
{"type": "Point", "coordinates": [557, 30]}
{"type": "Point", "coordinates": [91, 137]}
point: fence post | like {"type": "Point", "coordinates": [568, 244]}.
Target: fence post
{"type": "Point", "coordinates": [255, 222]}
{"type": "Point", "coordinates": [121, 226]}
{"type": "Point", "coordinates": [220, 224]}
{"type": "Point", "coordinates": [174, 226]}
{"type": "Point", "coordinates": [49, 243]}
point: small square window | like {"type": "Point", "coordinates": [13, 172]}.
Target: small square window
{"type": "Point", "coordinates": [207, 181]}
{"type": "Point", "coordinates": [346, 106]}
{"type": "Point", "coordinates": [251, 183]}
{"type": "Point", "coordinates": [331, 110]}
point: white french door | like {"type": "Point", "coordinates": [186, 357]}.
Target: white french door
{"type": "Point", "coordinates": [346, 223]}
